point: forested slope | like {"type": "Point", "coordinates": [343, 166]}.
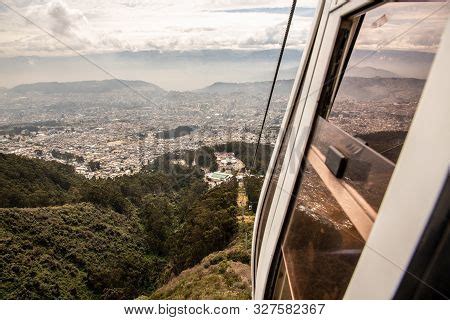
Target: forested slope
{"type": "Point", "coordinates": [64, 236]}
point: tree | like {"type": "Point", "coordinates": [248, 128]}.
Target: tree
{"type": "Point", "coordinates": [94, 165]}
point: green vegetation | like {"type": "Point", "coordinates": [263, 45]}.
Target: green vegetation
{"type": "Point", "coordinates": [66, 156]}
{"type": "Point", "coordinates": [221, 275]}
{"type": "Point", "coordinates": [179, 131]}
{"type": "Point", "coordinates": [94, 165]}
{"type": "Point", "coordinates": [193, 159]}
{"type": "Point", "coordinates": [64, 236]}
{"type": "Point", "coordinates": [246, 152]}
{"type": "Point", "coordinates": [34, 183]}
{"type": "Point", "coordinates": [204, 157]}
{"type": "Point", "coordinates": [253, 187]}
{"type": "Point", "coordinates": [73, 252]}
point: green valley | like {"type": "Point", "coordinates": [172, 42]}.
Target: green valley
{"type": "Point", "coordinates": [63, 236]}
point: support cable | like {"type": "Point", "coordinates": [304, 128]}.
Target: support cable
{"type": "Point", "coordinates": [288, 26]}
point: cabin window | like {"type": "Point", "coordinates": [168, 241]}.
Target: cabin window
{"type": "Point", "coordinates": [301, 25]}
{"type": "Point", "coordinates": [354, 146]}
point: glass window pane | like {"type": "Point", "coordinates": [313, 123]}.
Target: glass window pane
{"type": "Point", "coordinates": [386, 73]}
{"type": "Point", "coordinates": [282, 289]}
{"type": "Point", "coordinates": [366, 171]}
{"type": "Point", "coordinates": [302, 22]}
{"type": "Point", "coordinates": [352, 153]}
{"type": "Point", "coordinates": [322, 245]}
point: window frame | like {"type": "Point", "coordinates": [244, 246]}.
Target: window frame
{"type": "Point", "coordinates": [303, 116]}
{"type": "Point", "coordinates": [424, 144]}
{"type": "Point", "coordinates": [301, 119]}
{"type": "Point", "coordinates": [291, 109]}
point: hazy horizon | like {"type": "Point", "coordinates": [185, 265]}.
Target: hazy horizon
{"type": "Point", "coordinates": [191, 70]}
{"type": "Point", "coordinates": [185, 46]}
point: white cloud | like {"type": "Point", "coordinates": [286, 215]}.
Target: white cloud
{"type": "Point", "coordinates": [95, 26]}
{"type": "Point", "coordinates": [63, 20]}
{"type": "Point", "coordinates": [102, 26]}
{"type": "Point", "coordinates": [407, 27]}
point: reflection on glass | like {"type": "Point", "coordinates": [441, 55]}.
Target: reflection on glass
{"type": "Point", "coordinates": [366, 171]}
{"type": "Point", "coordinates": [322, 246]}
{"type": "Point", "coordinates": [282, 289]}
{"type": "Point", "coordinates": [366, 126]}
{"type": "Point", "coordinates": [386, 75]}
{"type": "Point", "coordinates": [300, 26]}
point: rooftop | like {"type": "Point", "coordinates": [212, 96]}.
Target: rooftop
{"type": "Point", "coordinates": [220, 175]}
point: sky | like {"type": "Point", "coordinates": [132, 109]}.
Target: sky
{"type": "Point", "coordinates": [405, 26]}
{"type": "Point", "coordinates": [113, 33]}
{"type": "Point", "coordinates": [91, 26]}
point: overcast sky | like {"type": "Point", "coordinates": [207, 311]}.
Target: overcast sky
{"type": "Point", "coordinates": [101, 28]}
{"type": "Point", "coordinates": [133, 25]}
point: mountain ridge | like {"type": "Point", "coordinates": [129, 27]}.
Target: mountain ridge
{"type": "Point", "coordinates": [366, 77]}
{"type": "Point", "coordinates": [370, 72]}
{"type": "Point", "coordinates": [89, 86]}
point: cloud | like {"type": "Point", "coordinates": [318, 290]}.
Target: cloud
{"type": "Point", "coordinates": [115, 25]}
{"type": "Point", "coordinates": [132, 3]}
{"type": "Point", "coordinates": [70, 26]}
{"type": "Point", "coordinates": [245, 3]}
{"type": "Point", "coordinates": [300, 11]}
{"type": "Point", "coordinates": [24, 3]}
{"type": "Point", "coordinates": [65, 21]}
{"type": "Point", "coordinates": [196, 29]}
{"type": "Point", "coordinates": [271, 35]}
{"type": "Point", "coordinates": [407, 27]}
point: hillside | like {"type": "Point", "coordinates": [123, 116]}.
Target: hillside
{"type": "Point", "coordinates": [221, 275]}
{"type": "Point", "coordinates": [369, 72]}
{"type": "Point", "coordinates": [113, 238]}
{"type": "Point", "coordinates": [381, 89]}
{"type": "Point", "coordinates": [73, 252]}
{"type": "Point", "coordinates": [33, 183]}
{"type": "Point", "coordinates": [360, 83]}
{"type": "Point", "coordinates": [251, 88]}
{"type": "Point", "coordinates": [83, 87]}
{"type": "Point", "coordinates": [225, 274]}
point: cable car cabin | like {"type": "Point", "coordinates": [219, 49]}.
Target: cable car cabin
{"type": "Point", "coordinates": [355, 204]}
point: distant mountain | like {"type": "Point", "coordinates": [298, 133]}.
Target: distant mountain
{"type": "Point", "coordinates": [377, 88]}
{"type": "Point", "coordinates": [188, 70]}
{"type": "Point", "coordinates": [372, 84]}
{"type": "Point", "coordinates": [230, 87]}
{"type": "Point", "coordinates": [251, 88]}
{"type": "Point", "coordinates": [85, 87]}
{"type": "Point", "coordinates": [171, 70]}
{"type": "Point", "coordinates": [381, 89]}
{"type": "Point", "coordinates": [370, 72]}
{"type": "Point", "coordinates": [396, 61]}
{"type": "Point", "coordinates": [362, 72]}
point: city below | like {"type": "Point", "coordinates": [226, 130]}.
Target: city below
{"type": "Point", "coordinates": [112, 128]}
